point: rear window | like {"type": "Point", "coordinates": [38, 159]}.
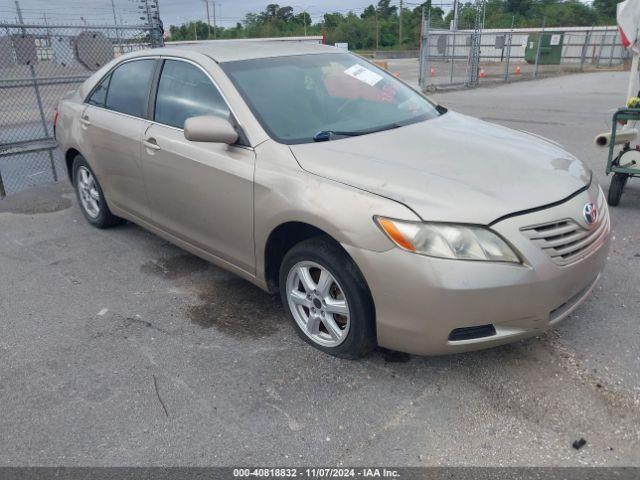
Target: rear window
{"type": "Point", "coordinates": [129, 87]}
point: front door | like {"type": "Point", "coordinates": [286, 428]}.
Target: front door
{"type": "Point", "coordinates": [200, 192]}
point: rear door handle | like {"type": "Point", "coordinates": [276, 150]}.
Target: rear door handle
{"type": "Point", "coordinates": [151, 144]}
{"type": "Point", "coordinates": [85, 120]}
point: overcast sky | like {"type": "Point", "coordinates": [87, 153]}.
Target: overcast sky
{"type": "Point", "coordinates": [228, 12]}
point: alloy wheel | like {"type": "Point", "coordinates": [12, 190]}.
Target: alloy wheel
{"type": "Point", "coordinates": [318, 303]}
{"type": "Point", "coordinates": [88, 192]}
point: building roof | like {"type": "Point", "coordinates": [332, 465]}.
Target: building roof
{"type": "Point", "coordinates": [233, 50]}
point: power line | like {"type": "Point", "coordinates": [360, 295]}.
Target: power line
{"type": "Point", "coordinates": [127, 13]}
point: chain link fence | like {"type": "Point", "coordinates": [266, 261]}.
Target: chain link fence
{"type": "Point", "coordinates": [39, 64]}
{"type": "Point", "coordinates": [452, 57]}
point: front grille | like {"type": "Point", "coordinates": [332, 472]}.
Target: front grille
{"type": "Point", "coordinates": [566, 241]}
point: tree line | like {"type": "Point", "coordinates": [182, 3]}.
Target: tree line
{"type": "Point", "coordinates": [378, 26]}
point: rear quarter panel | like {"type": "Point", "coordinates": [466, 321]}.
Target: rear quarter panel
{"type": "Point", "coordinates": [68, 131]}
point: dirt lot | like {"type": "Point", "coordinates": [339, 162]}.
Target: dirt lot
{"type": "Point", "coordinates": [117, 348]}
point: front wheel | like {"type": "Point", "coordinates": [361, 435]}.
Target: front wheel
{"type": "Point", "coordinates": [327, 299]}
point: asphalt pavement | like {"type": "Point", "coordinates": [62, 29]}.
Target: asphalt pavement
{"type": "Point", "coordinates": [117, 348]}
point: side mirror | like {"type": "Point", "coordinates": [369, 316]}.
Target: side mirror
{"type": "Point", "coordinates": [208, 128]}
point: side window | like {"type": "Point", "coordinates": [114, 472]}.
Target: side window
{"type": "Point", "coordinates": [100, 93]}
{"type": "Point", "coordinates": [185, 91]}
{"type": "Point", "coordinates": [129, 87]}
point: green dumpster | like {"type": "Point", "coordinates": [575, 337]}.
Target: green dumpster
{"type": "Point", "coordinates": [550, 48]}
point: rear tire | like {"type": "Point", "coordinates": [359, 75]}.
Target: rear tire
{"type": "Point", "coordinates": [327, 298]}
{"type": "Point", "coordinates": [616, 187]}
{"type": "Point", "coordinates": [91, 197]}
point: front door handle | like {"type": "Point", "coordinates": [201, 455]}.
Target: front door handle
{"type": "Point", "coordinates": [84, 120]}
{"type": "Point", "coordinates": [151, 144]}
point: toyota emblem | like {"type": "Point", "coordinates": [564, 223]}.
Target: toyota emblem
{"type": "Point", "coordinates": [590, 213]}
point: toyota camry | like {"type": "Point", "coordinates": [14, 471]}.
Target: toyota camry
{"type": "Point", "coordinates": [381, 217]}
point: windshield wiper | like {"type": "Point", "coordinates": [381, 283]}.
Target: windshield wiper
{"type": "Point", "coordinates": [326, 135]}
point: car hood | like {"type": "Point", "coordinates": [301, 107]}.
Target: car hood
{"type": "Point", "coordinates": [452, 168]}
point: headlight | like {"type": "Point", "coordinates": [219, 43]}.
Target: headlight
{"type": "Point", "coordinates": [447, 240]}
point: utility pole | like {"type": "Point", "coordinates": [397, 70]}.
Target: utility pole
{"type": "Point", "coordinates": [421, 75]}
{"type": "Point", "coordinates": [147, 11]}
{"type": "Point", "coordinates": [454, 23]}
{"type": "Point", "coordinates": [113, 9]}
{"type": "Point", "coordinates": [473, 67]}
{"type": "Point", "coordinates": [538, 49]}
{"type": "Point", "coordinates": [215, 28]}
{"type": "Point", "coordinates": [377, 32]}
{"type": "Point", "coordinates": [206, 2]}
{"type": "Point", "coordinates": [304, 17]}
{"type": "Point", "coordinates": [400, 29]}
{"type": "Point", "coordinates": [46, 25]}
{"type": "Point", "coordinates": [115, 23]}
{"type": "Point", "coordinates": [510, 37]}
{"type": "Point", "coordinates": [152, 10]}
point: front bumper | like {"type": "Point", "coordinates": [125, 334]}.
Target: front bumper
{"type": "Point", "coordinates": [420, 300]}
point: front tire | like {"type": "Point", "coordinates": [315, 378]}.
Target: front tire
{"type": "Point", "coordinates": [91, 197]}
{"type": "Point", "coordinates": [327, 299]}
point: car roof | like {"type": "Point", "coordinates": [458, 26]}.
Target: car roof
{"type": "Point", "coordinates": [234, 50]}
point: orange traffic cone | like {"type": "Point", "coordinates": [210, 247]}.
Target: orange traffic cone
{"type": "Point", "coordinates": [518, 71]}
{"type": "Point", "coordinates": [432, 72]}
{"type": "Point", "coordinates": [482, 73]}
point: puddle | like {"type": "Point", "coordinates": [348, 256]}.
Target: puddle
{"type": "Point", "coordinates": [232, 305]}
{"type": "Point", "coordinates": [49, 199]}
{"type": "Point", "coordinates": [237, 308]}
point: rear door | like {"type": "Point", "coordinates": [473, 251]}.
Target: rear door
{"type": "Point", "coordinates": [113, 124]}
{"type": "Point", "coordinates": [200, 192]}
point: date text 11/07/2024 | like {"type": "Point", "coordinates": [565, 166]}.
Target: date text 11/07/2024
{"type": "Point", "coordinates": [316, 472]}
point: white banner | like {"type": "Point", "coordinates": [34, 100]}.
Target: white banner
{"type": "Point", "coordinates": [628, 15]}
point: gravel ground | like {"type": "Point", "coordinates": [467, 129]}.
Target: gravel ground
{"type": "Point", "coordinates": [117, 348]}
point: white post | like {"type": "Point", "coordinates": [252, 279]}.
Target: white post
{"type": "Point", "coordinates": [634, 78]}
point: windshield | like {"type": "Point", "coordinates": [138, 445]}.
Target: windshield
{"type": "Point", "coordinates": [299, 98]}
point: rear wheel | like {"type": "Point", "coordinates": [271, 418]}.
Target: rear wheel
{"type": "Point", "coordinates": [327, 298]}
{"type": "Point", "coordinates": [90, 196]}
{"type": "Point", "coordinates": [616, 187]}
